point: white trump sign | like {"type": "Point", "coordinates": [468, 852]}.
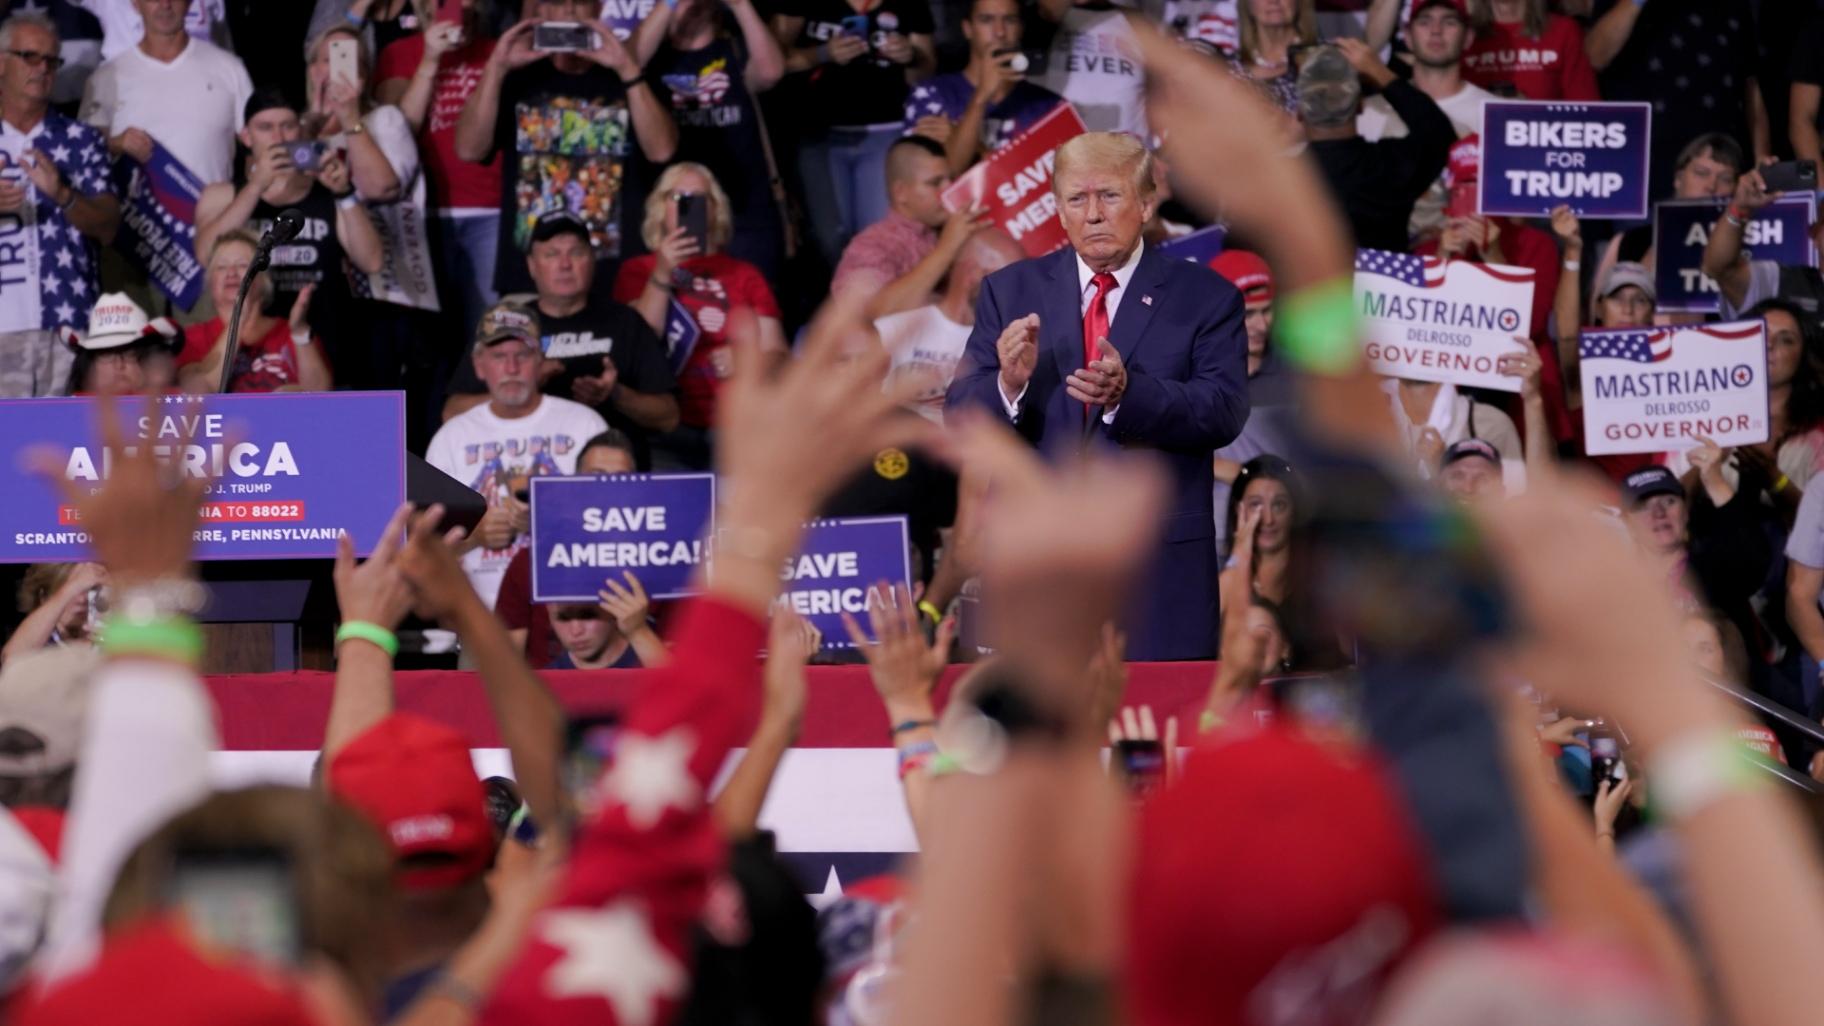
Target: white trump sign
{"type": "Point", "coordinates": [1660, 389]}
{"type": "Point", "coordinates": [1442, 320]}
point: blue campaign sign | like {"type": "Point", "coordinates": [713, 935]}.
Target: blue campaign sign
{"type": "Point", "coordinates": [291, 471]}
{"type": "Point", "coordinates": [1199, 247]}
{"type": "Point", "coordinates": [158, 225]}
{"type": "Point", "coordinates": [1591, 157]}
{"type": "Point", "coordinates": [623, 16]}
{"type": "Point", "coordinates": [836, 569]}
{"type": "Point", "coordinates": [681, 335]}
{"type": "Point", "coordinates": [1780, 232]}
{"type": "Point", "coordinates": [585, 529]}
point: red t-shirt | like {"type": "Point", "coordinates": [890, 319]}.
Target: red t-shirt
{"type": "Point", "coordinates": [708, 287]}
{"type": "Point", "coordinates": [1552, 67]}
{"type": "Point", "coordinates": [260, 365]}
{"type": "Point", "coordinates": [514, 607]}
{"type": "Point", "coordinates": [453, 182]}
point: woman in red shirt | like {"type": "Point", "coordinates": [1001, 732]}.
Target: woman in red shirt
{"type": "Point", "coordinates": [1536, 53]}
{"type": "Point", "coordinates": [720, 294]}
{"type": "Point", "coordinates": [274, 355]}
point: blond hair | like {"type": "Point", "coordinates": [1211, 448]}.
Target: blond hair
{"type": "Point", "coordinates": [241, 237]}
{"type": "Point", "coordinates": [1249, 30]}
{"type": "Point", "coordinates": [1104, 151]}
{"type": "Point", "coordinates": [721, 217]}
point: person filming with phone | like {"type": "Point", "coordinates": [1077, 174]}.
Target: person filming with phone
{"type": "Point", "coordinates": [688, 227]}
{"type": "Point", "coordinates": [580, 127]}
{"type": "Point", "coordinates": [978, 110]}
{"type": "Point", "coordinates": [1745, 281]}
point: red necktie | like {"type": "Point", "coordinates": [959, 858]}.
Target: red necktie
{"type": "Point", "coordinates": [1095, 320]}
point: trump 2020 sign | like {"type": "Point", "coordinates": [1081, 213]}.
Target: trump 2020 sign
{"type": "Point", "coordinates": [1442, 320]}
{"type": "Point", "coordinates": [1662, 389]}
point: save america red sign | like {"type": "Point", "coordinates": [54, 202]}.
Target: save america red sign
{"type": "Point", "coordinates": [1013, 186]}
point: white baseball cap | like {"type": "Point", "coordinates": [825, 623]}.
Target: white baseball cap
{"type": "Point", "coordinates": [118, 321]}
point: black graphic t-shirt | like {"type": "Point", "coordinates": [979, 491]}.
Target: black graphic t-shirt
{"type": "Point", "coordinates": [567, 142]}
{"type": "Point", "coordinates": [583, 343]}
{"type": "Point", "coordinates": [315, 257]}
{"type": "Point", "coordinates": [706, 92]}
{"type": "Point", "coordinates": [869, 90]}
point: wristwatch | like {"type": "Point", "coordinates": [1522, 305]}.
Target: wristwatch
{"type": "Point", "coordinates": [154, 600]}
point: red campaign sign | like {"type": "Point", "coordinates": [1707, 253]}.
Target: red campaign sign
{"type": "Point", "coordinates": [1013, 186]}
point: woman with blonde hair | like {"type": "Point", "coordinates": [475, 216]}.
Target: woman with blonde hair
{"type": "Point", "coordinates": [722, 296]}
{"type": "Point", "coordinates": [379, 22]}
{"type": "Point", "coordinates": [1268, 30]}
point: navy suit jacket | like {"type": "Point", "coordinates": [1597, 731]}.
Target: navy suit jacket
{"type": "Point", "coordinates": [1179, 331]}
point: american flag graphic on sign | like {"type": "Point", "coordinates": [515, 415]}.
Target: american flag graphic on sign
{"type": "Point", "coordinates": [1423, 272]}
{"type": "Point", "coordinates": [1651, 345]}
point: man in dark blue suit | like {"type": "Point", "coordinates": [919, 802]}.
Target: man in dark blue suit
{"type": "Point", "coordinates": [1107, 341]}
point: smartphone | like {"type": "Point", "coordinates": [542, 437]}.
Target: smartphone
{"type": "Point", "coordinates": [1791, 176]}
{"type": "Point", "coordinates": [589, 743]}
{"type": "Point", "coordinates": [307, 156]}
{"type": "Point", "coordinates": [1024, 62]}
{"type": "Point", "coordinates": [244, 900]}
{"type": "Point", "coordinates": [693, 217]}
{"type": "Point", "coordinates": [563, 37]}
{"type": "Point", "coordinates": [1142, 764]}
{"type": "Point", "coordinates": [344, 60]}
{"type": "Point", "coordinates": [1605, 756]}
{"type": "Point", "coordinates": [855, 25]}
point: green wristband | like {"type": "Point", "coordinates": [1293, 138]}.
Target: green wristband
{"type": "Point", "coordinates": [372, 633]}
{"type": "Point", "coordinates": [942, 765]}
{"type": "Point", "coordinates": [170, 637]}
{"type": "Point", "coordinates": [1315, 328]}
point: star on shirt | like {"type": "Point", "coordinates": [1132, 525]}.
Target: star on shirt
{"type": "Point", "coordinates": [66, 313]}
{"type": "Point", "coordinates": [65, 258]}
{"type": "Point", "coordinates": [60, 154]}
{"type": "Point", "coordinates": [611, 954]}
{"type": "Point", "coordinates": [652, 774]}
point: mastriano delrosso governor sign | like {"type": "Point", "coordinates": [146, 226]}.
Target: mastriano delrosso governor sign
{"type": "Point", "coordinates": [1442, 320]}
{"type": "Point", "coordinates": [1661, 389]}
{"type": "Point", "coordinates": [1013, 186]}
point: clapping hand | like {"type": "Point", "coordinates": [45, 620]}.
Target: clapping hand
{"type": "Point", "coordinates": [1103, 382]}
{"type": "Point", "coordinates": [1018, 349]}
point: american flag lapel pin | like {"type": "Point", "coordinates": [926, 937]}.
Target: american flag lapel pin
{"type": "Point", "coordinates": [1146, 300]}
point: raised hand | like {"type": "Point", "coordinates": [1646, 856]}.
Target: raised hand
{"type": "Point", "coordinates": [375, 591]}
{"type": "Point", "coordinates": [1523, 364]}
{"type": "Point", "coordinates": [142, 520]}
{"type": "Point", "coordinates": [791, 641]}
{"type": "Point", "coordinates": [627, 604]}
{"type": "Point", "coordinates": [429, 563]}
{"type": "Point", "coordinates": [677, 246]}
{"type": "Point", "coordinates": [903, 666]}
{"type": "Point", "coordinates": [1568, 229]}
{"type": "Point", "coordinates": [299, 320]}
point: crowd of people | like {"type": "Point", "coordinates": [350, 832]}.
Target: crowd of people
{"type": "Point", "coordinates": [1499, 728]}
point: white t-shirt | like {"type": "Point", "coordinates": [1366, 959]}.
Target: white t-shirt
{"type": "Point", "coordinates": [122, 28]}
{"type": "Point", "coordinates": [923, 344]}
{"type": "Point", "coordinates": [487, 453]}
{"type": "Point", "coordinates": [405, 274]}
{"type": "Point", "coordinates": [1095, 64]}
{"type": "Point", "coordinates": [192, 105]}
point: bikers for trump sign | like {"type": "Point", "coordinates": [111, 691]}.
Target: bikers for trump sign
{"type": "Point", "coordinates": [1442, 320]}
{"type": "Point", "coordinates": [1013, 187]}
{"type": "Point", "coordinates": [1660, 389]}
{"type": "Point", "coordinates": [1591, 157]}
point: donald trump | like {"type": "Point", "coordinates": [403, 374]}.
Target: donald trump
{"type": "Point", "coordinates": [1108, 341]}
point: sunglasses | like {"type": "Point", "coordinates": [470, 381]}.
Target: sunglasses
{"type": "Point", "coordinates": [34, 59]}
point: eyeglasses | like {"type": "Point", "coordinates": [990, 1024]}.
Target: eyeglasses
{"type": "Point", "coordinates": [33, 59]}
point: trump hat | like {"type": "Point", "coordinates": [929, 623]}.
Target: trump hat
{"type": "Point", "coordinates": [1276, 865]}
{"type": "Point", "coordinates": [117, 321]}
{"type": "Point", "coordinates": [507, 319]}
{"type": "Point", "coordinates": [1459, 6]}
{"type": "Point", "coordinates": [1246, 271]}
{"type": "Point", "coordinates": [413, 778]}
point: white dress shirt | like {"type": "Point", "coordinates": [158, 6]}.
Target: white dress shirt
{"type": "Point", "coordinates": [1086, 292]}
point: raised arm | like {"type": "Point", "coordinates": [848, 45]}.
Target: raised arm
{"type": "Point", "coordinates": [475, 127]}
{"type": "Point", "coordinates": [1610, 33]}
{"type": "Point", "coordinates": [1567, 302]}
{"type": "Point", "coordinates": [34, 632]}
{"type": "Point", "coordinates": [653, 127]}
{"type": "Point", "coordinates": [1724, 260]}
{"type": "Point", "coordinates": [905, 669]}
{"type": "Point", "coordinates": [790, 643]}
{"type": "Point", "coordinates": [1802, 122]}
{"type": "Point", "coordinates": [373, 597]}
{"type": "Point", "coordinates": [765, 61]}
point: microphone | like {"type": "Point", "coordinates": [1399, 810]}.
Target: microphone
{"type": "Point", "coordinates": [284, 228]}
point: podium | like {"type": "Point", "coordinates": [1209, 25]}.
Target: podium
{"type": "Point", "coordinates": [291, 472]}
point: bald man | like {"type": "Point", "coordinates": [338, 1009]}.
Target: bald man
{"type": "Point", "coordinates": [1108, 342]}
{"type": "Point", "coordinates": [900, 259]}
{"type": "Point", "coordinates": [926, 342]}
